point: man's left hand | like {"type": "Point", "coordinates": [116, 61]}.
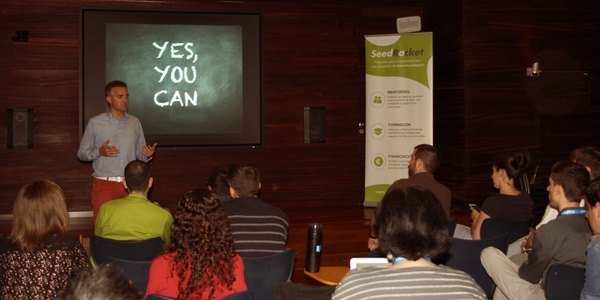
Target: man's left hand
{"type": "Point", "coordinates": [149, 150]}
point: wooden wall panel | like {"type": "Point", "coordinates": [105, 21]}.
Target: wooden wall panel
{"type": "Point", "coordinates": [314, 55]}
{"type": "Point", "coordinates": [506, 110]}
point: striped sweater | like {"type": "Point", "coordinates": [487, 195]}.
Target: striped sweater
{"type": "Point", "coordinates": [408, 283]}
{"type": "Point", "coordinates": [259, 229]}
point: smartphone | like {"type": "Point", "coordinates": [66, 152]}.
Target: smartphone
{"type": "Point", "coordinates": [474, 206]}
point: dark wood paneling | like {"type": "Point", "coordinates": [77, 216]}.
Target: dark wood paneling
{"type": "Point", "coordinates": [314, 55]}
{"type": "Point", "coordinates": [506, 110]}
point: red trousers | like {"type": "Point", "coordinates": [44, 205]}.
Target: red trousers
{"type": "Point", "coordinates": [104, 190]}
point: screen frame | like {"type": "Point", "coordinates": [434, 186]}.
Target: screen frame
{"type": "Point", "coordinates": [92, 70]}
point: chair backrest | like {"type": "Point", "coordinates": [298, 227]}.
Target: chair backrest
{"type": "Point", "coordinates": [464, 255]}
{"type": "Point", "coordinates": [159, 297]}
{"type": "Point", "coordinates": [136, 271]}
{"type": "Point", "coordinates": [265, 273]}
{"type": "Point", "coordinates": [247, 295]}
{"type": "Point", "coordinates": [493, 227]}
{"type": "Point", "coordinates": [563, 282]}
{"type": "Point", "coordinates": [144, 250]}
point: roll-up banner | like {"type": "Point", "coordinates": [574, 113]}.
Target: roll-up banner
{"type": "Point", "coordinates": [399, 106]}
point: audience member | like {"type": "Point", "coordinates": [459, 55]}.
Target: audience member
{"type": "Point", "coordinates": [134, 217]}
{"type": "Point", "coordinates": [111, 140]}
{"type": "Point", "coordinates": [424, 162]}
{"type": "Point", "coordinates": [39, 256]}
{"type": "Point", "coordinates": [591, 288]}
{"type": "Point", "coordinates": [104, 282]}
{"type": "Point", "coordinates": [413, 227]}
{"type": "Point", "coordinates": [561, 241]}
{"type": "Point", "coordinates": [218, 185]}
{"type": "Point", "coordinates": [259, 229]}
{"type": "Point", "coordinates": [201, 252]}
{"type": "Point", "coordinates": [511, 204]}
{"type": "Point", "coordinates": [589, 157]}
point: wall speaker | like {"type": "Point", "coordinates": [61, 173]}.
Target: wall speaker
{"type": "Point", "coordinates": [314, 124]}
{"type": "Point", "coordinates": [20, 128]}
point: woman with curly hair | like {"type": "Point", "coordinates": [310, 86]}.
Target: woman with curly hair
{"type": "Point", "coordinates": [201, 262]}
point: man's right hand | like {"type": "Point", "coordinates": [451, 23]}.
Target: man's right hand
{"type": "Point", "coordinates": [110, 151]}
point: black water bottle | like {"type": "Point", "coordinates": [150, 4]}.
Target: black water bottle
{"type": "Point", "coordinates": [314, 246]}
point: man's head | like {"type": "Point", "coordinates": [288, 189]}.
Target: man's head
{"type": "Point", "coordinates": [244, 181]}
{"type": "Point", "coordinates": [567, 183]}
{"type": "Point", "coordinates": [117, 96]}
{"type": "Point", "coordinates": [137, 177]}
{"type": "Point", "coordinates": [589, 157]}
{"type": "Point", "coordinates": [217, 181]}
{"type": "Point", "coordinates": [425, 158]}
{"type": "Point", "coordinates": [593, 212]}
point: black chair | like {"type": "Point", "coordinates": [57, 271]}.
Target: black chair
{"type": "Point", "coordinates": [265, 273]}
{"type": "Point", "coordinates": [144, 250]}
{"type": "Point", "coordinates": [465, 255]}
{"type": "Point", "coordinates": [301, 291]}
{"type": "Point", "coordinates": [136, 271]}
{"type": "Point", "coordinates": [563, 282]}
{"type": "Point", "coordinates": [133, 258]}
{"type": "Point", "coordinates": [158, 297]}
{"type": "Point", "coordinates": [493, 227]}
{"type": "Point", "coordinates": [240, 296]}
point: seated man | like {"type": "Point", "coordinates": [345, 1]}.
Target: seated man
{"type": "Point", "coordinates": [134, 217]}
{"type": "Point", "coordinates": [561, 241]}
{"type": "Point", "coordinates": [591, 288]}
{"type": "Point", "coordinates": [258, 229]}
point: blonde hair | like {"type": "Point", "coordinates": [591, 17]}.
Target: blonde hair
{"type": "Point", "coordinates": [39, 211]}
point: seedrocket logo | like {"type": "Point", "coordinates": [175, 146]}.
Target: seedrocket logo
{"type": "Point", "coordinates": [397, 52]}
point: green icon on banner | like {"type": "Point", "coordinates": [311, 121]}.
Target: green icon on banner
{"type": "Point", "coordinates": [377, 100]}
{"type": "Point", "coordinates": [378, 161]}
{"type": "Point", "coordinates": [378, 131]}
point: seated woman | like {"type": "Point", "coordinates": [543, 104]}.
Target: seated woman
{"type": "Point", "coordinates": [201, 262]}
{"type": "Point", "coordinates": [510, 205]}
{"type": "Point", "coordinates": [39, 256]}
{"type": "Point", "coordinates": [412, 228]}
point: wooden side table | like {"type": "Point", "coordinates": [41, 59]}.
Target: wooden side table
{"type": "Point", "coordinates": [328, 275]}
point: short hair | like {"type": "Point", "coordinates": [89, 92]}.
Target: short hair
{"type": "Point", "coordinates": [593, 192]}
{"type": "Point", "coordinates": [217, 181]}
{"type": "Point", "coordinates": [39, 210]}
{"type": "Point", "coordinates": [104, 282]}
{"type": "Point", "coordinates": [203, 245]}
{"type": "Point", "coordinates": [515, 164]}
{"type": "Point", "coordinates": [588, 156]}
{"type": "Point", "coordinates": [429, 155]}
{"type": "Point", "coordinates": [137, 176]}
{"type": "Point", "coordinates": [412, 224]}
{"type": "Point", "coordinates": [244, 180]}
{"type": "Point", "coordinates": [572, 177]}
{"type": "Point", "coordinates": [113, 84]}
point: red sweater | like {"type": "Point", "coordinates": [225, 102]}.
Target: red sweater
{"type": "Point", "coordinates": [161, 282]}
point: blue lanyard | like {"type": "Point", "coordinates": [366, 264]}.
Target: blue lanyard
{"type": "Point", "coordinates": [572, 211]}
{"type": "Point", "coordinates": [400, 259]}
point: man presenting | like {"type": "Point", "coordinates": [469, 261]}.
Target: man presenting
{"type": "Point", "coordinates": [111, 140]}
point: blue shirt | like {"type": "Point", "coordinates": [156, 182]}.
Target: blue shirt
{"type": "Point", "coordinates": [591, 288]}
{"type": "Point", "coordinates": [127, 135]}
